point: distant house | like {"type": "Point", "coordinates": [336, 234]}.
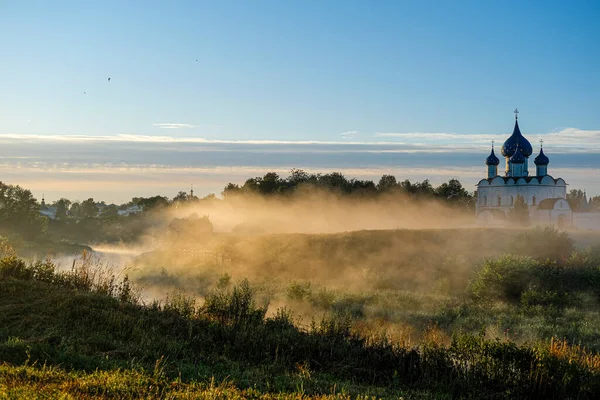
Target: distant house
{"type": "Point", "coordinates": [135, 209]}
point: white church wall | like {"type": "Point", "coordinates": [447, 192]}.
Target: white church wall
{"type": "Point", "coordinates": [486, 218]}
{"type": "Point", "coordinates": [560, 216]}
{"type": "Point", "coordinates": [507, 191]}
{"type": "Point", "coordinates": [589, 221]}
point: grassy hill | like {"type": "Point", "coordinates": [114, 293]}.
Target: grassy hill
{"type": "Point", "coordinates": [81, 334]}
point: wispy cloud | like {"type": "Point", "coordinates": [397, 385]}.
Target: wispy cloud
{"type": "Point", "coordinates": [159, 139]}
{"type": "Point", "coordinates": [348, 135]}
{"type": "Point", "coordinates": [171, 125]}
{"type": "Point", "coordinates": [567, 140]}
{"type": "Point", "coordinates": [563, 140]}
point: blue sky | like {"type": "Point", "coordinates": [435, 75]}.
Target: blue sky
{"type": "Point", "coordinates": [335, 71]}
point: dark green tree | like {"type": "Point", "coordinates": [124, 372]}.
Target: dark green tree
{"type": "Point", "coordinates": [454, 193]}
{"type": "Point", "coordinates": [362, 188]}
{"type": "Point", "coordinates": [181, 197]}
{"type": "Point", "coordinates": [595, 203]}
{"type": "Point", "coordinates": [89, 208]}
{"type": "Point", "coordinates": [75, 210]}
{"type": "Point", "coordinates": [19, 212]}
{"type": "Point", "coordinates": [110, 212]}
{"type": "Point", "coordinates": [298, 177]}
{"type": "Point", "coordinates": [335, 181]}
{"type": "Point", "coordinates": [252, 185]}
{"type": "Point", "coordinates": [230, 190]}
{"type": "Point", "coordinates": [575, 198]}
{"type": "Point", "coordinates": [270, 183]}
{"type": "Point", "coordinates": [62, 206]}
{"type": "Point", "coordinates": [150, 203]}
{"type": "Point", "coordinates": [387, 183]}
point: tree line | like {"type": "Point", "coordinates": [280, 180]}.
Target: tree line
{"type": "Point", "coordinates": [20, 211]}
{"type": "Point", "coordinates": [271, 184]}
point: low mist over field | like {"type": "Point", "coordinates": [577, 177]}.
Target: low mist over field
{"type": "Point", "coordinates": [315, 212]}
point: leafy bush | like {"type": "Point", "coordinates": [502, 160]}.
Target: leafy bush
{"type": "Point", "coordinates": [298, 290]}
{"type": "Point", "coordinates": [542, 243]}
{"type": "Point", "coordinates": [181, 304]}
{"type": "Point", "coordinates": [233, 307]}
{"type": "Point", "coordinates": [13, 267]}
{"type": "Point", "coordinates": [520, 279]}
{"type": "Point", "coordinates": [504, 278]}
{"type": "Point", "coordinates": [323, 299]}
{"type": "Point", "coordinates": [6, 248]}
{"type": "Point", "coordinates": [535, 297]}
{"type": "Point", "coordinates": [350, 306]}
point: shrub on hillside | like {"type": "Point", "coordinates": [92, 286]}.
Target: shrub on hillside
{"type": "Point", "coordinates": [521, 279]}
{"type": "Point", "coordinates": [6, 248]}
{"type": "Point", "coordinates": [298, 290]}
{"type": "Point", "coordinates": [13, 267]}
{"type": "Point", "coordinates": [233, 307]}
{"type": "Point", "coordinates": [504, 278]}
{"type": "Point", "coordinates": [542, 243]}
{"type": "Point", "coordinates": [85, 277]}
{"type": "Point", "coordinates": [544, 297]}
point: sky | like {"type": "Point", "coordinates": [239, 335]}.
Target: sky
{"type": "Point", "coordinates": [205, 92]}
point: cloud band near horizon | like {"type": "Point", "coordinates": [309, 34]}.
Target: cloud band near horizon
{"type": "Point", "coordinates": [567, 140]}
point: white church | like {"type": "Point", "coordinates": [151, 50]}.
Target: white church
{"type": "Point", "coordinates": [544, 194]}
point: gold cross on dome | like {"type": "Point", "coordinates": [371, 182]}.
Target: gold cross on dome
{"type": "Point", "coordinates": [541, 142]}
{"type": "Point", "coordinates": [493, 143]}
{"type": "Point", "coordinates": [516, 113]}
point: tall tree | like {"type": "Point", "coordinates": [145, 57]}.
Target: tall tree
{"type": "Point", "coordinates": [62, 206]}
{"type": "Point", "coordinates": [270, 183]}
{"type": "Point", "coordinates": [181, 197]}
{"type": "Point", "coordinates": [151, 203]}
{"type": "Point", "coordinates": [454, 193]}
{"type": "Point", "coordinates": [387, 183]}
{"type": "Point", "coordinates": [89, 208]}
{"type": "Point", "coordinates": [230, 190]}
{"type": "Point", "coordinates": [595, 203]}
{"type": "Point", "coordinates": [575, 198]}
{"type": "Point", "coordinates": [110, 212]}
{"type": "Point", "coordinates": [298, 177]}
{"type": "Point", "coordinates": [19, 211]}
{"type": "Point", "coordinates": [75, 210]}
{"type": "Point", "coordinates": [335, 181]}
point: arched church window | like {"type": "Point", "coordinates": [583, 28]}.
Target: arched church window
{"type": "Point", "coordinates": [485, 200]}
{"type": "Point", "coordinates": [512, 200]}
{"type": "Point", "coordinates": [499, 201]}
{"type": "Point", "coordinates": [533, 201]}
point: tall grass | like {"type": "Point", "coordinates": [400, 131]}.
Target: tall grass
{"type": "Point", "coordinates": [81, 320]}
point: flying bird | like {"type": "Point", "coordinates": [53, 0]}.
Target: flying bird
{"type": "Point", "coordinates": [109, 79]}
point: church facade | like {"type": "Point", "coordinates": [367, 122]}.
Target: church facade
{"type": "Point", "coordinates": [544, 194]}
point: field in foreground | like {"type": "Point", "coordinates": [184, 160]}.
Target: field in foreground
{"type": "Point", "coordinates": [81, 334]}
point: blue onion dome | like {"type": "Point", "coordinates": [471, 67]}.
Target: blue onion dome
{"type": "Point", "coordinates": [517, 157]}
{"type": "Point", "coordinates": [492, 159]}
{"type": "Point", "coordinates": [514, 141]}
{"type": "Point", "coordinates": [541, 159]}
